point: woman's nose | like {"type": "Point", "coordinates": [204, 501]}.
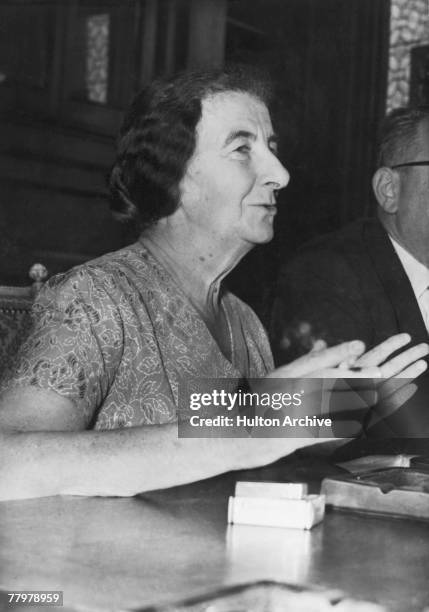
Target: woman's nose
{"type": "Point", "coordinates": [276, 173]}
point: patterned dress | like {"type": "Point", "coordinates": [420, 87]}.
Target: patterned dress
{"type": "Point", "coordinates": [118, 337]}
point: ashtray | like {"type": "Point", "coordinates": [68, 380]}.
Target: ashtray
{"type": "Point", "coordinates": [400, 492]}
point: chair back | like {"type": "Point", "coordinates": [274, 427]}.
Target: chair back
{"type": "Point", "coordinates": [15, 306]}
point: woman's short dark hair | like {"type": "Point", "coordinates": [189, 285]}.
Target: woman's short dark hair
{"type": "Point", "coordinates": [158, 138]}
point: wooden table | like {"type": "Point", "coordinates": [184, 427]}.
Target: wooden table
{"type": "Point", "coordinates": [112, 553]}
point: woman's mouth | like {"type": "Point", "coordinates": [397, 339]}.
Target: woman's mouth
{"type": "Point", "coordinates": [272, 208]}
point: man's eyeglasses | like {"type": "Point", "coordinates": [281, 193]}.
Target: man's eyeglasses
{"type": "Point", "coordinates": [417, 163]}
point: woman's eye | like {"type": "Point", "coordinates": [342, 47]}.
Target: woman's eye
{"type": "Point", "coordinates": [244, 149]}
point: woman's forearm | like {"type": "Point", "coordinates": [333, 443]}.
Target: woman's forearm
{"type": "Point", "coordinates": [123, 462]}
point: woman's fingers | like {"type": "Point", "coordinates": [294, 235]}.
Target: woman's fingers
{"type": "Point", "coordinates": [347, 360]}
{"type": "Point", "coordinates": [414, 370]}
{"type": "Point", "coordinates": [391, 402]}
{"type": "Point", "coordinates": [408, 364]}
{"type": "Point", "coordinates": [318, 345]}
{"type": "Point", "coordinates": [317, 361]}
{"type": "Point", "coordinates": [391, 387]}
{"type": "Point", "coordinates": [338, 373]}
{"type": "Point", "coordinates": [382, 351]}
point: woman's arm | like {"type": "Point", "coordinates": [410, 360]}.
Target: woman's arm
{"type": "Point", "coordinates": [64, 459]}
{"type": "Point", "coordinates": [44, 449]}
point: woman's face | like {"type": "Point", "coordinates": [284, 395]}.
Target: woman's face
{"type": "Point", "coordinates": [229, 190]}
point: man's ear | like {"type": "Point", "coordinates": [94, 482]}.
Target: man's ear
{"type": "Point", "coordinates": [386, 184]}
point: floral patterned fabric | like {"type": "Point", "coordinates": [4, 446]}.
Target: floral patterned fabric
{"type": "Point", "coordinates": [117, 337]}
{"type": "Point", "coordinates": [14, 325]}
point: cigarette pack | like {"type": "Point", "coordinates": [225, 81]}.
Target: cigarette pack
{"type": "Point", "coordinates": [279, 490]}
{"type": "Point", "coordinates": [277, 512]}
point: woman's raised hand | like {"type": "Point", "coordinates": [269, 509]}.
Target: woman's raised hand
{"type": "Point", "coordinates": [349, 360]}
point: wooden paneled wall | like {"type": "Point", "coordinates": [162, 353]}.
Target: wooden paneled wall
{"type": "Point", "coordinates": [54, 206]}
{"type": "Point", "coordinates": [56, 146]}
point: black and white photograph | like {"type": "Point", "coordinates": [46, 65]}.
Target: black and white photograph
{"type": "Point", "coordinates": [214, 305]}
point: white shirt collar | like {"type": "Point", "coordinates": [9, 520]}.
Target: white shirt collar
{"type": "Point", "coordinates": [417, 272]}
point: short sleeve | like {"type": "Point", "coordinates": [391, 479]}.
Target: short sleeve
{"type": "Point", "coordinates": [75, 343]}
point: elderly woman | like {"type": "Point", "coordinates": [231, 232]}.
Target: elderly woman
{"type": "Point", "coordinates": [91, 405]}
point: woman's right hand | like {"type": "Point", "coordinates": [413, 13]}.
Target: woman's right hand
{"type": "Point", "coordinates": [343, 382]}
{"type": "Point", "coordinates": [349, 360]}
{"type": "Point", "coordinates": [382, 379]}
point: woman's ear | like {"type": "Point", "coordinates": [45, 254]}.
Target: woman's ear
{"type": "Point", "coordinates": [386, 184]}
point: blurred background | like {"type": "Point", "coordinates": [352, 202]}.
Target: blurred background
{"type": "Point", "coordinates": [69, 68]}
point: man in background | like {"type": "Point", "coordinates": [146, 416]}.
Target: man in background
{"type": "Point", "coordinates": [370, 279]}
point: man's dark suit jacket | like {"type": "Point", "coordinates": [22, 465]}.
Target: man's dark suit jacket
{"type": "Point", "coordinates": [344, 286]}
